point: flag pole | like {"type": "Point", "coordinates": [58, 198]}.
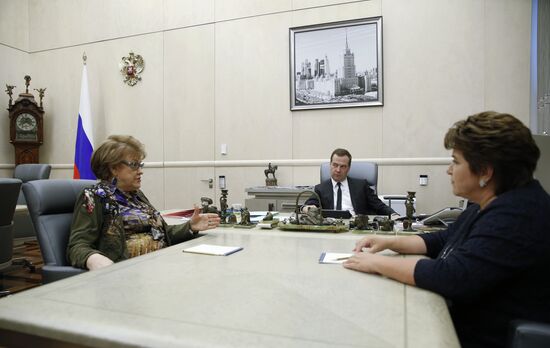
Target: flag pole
{"type": "Point", "coordinates": [84, 132]}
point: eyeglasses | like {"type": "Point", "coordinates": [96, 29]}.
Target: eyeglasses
{"type": "Point", "coordinates": [134, 165]}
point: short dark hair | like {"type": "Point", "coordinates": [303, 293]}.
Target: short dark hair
{"type": "Point", "coordinates": [498, 140]}
{"type": "Point", "coordinates": [112, 152]}
{"type": "Point", "coordinates": [341, 152]}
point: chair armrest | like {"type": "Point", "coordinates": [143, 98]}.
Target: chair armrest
{"type": "Point", "coordinates": [527, 334]}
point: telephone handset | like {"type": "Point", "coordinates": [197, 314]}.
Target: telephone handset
{"type": "Point", "coordinates": [443, 217]}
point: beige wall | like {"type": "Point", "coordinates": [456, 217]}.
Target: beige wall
{"type": "Point", "coordinates": [14, 64]}
{"type": "Point", "coordinates": [217, 72]}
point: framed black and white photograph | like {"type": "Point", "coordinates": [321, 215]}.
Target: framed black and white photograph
{"type": "Point", "coordinates": [336, 65]}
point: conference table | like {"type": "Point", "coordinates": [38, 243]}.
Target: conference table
{"type": "Point", "coordinates": [272, 293]}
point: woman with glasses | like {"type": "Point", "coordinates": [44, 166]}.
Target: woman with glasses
{"type": "Point", "coordinates": [492, 263]}
{"type": "Point", "coordinates": [113, 220]}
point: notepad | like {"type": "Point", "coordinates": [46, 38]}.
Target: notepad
{"type": "Point", "coordinates": [209, 249]}
{"type": "Point", "coordinates": [334, 257]}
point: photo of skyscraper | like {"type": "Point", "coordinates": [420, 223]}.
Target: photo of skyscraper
{"type": "Point", "coordinates": [337, 65]}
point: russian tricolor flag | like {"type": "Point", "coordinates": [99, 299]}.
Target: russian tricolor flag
{"type": "Point", "coordinates": [84, 134]}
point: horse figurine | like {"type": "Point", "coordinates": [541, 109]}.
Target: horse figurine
{"type": "Point", "coordinates": [270, 170]}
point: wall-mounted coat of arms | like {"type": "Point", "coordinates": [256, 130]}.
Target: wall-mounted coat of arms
{"type": "Point", "coordinates": [131, 67]}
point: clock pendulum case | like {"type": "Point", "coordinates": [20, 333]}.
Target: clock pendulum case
{"type": "Point", "coordinates": [26, 124]}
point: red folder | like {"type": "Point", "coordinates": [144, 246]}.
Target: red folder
{"type": "Point", "coordinates": [182, 213]}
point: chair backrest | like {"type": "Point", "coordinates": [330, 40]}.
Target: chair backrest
{"type": "Point", "coordinates": [28, 172]}
{"type": "Point", "coordinates": [51, 205]}
{"type": "Point", "coordinates": [9, 190]}
{"type": "Point", "coordinates": [528, 334]}
{"type": "Point", "coordinates": [359, 170]}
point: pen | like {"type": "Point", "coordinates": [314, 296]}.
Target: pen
{"type": "Point", "coordinates": [342, 258]}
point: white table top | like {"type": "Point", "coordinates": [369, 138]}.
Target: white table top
{"type": "Point", "coordinates": [273, 293]}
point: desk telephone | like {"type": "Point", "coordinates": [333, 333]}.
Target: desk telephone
{"type": "Point", "coordinates": [443, 217]}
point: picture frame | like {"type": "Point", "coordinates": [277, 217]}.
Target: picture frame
{"type": "Point", "coordinates": [336, 65]}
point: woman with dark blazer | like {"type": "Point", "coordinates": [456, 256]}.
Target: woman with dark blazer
{"type": "Point", "coordinates": [492, 263]}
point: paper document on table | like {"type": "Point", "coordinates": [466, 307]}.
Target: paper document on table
{"type": "Point", "coordinates": [334, 257]}
{"type": "Point", "coordinates": [209, 249]}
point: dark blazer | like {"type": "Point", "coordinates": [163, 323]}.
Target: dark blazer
{"type": "Point", "coordinates": [363, 198]}
{"type": "Point", "coordinates": [492, 265]}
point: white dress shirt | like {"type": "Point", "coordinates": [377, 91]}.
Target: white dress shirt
{"type": "Point", "coordinates": [346, 196]}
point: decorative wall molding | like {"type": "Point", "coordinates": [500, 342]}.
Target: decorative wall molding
{"type": "Point", "coordinates": [415, 161]}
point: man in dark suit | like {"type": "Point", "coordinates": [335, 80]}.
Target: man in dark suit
{"type": "Point", "coordinates": [341, 192]}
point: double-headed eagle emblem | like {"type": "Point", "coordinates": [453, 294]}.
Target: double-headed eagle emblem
{"type": "Point", "coordinates": [131, 67]}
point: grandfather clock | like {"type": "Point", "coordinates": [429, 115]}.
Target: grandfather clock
{"type": "Point", "coordinates": [26, 124]}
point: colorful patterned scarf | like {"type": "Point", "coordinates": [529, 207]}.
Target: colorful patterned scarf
{"type": "Point", "coordinates": [141, 222]}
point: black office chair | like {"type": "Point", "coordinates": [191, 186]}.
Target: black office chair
{"type": "Point", "coordinates": [29, 172]}
{"type": "Point", "coordinates": [23, 229]}
{"type": "Point", "coordinates": [9, 190]}
{"type": "Point", "coordinates": [358, 170]}
{"type": "Point", "coordinates": [528, 334]}
{"type": "Point", "coordinates": [51, 205]}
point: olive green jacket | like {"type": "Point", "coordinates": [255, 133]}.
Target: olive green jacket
{"type": "Point", "coordinates": [88, 233]}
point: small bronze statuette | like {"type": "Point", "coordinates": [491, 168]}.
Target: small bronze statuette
{"type": "Point", "coordinates": [270, 181]}
{"type": "Point", "coordinates": [409, 206]}
{"type": "Point", "coordinates": [40, 94]}
{"type": "Point", "coordinates": [245, 219]}
{"type": "Point", "coordinates": [27, 83]}
{"type": "Point", "coordinates": [225, 215]}
{"type": "Point", "coordinates": [223, 201]}
{"type": "Point", "coordinates": [9, 90]}
{"type": "Point", "coordinates": [386, 224]}
{"type": "Point", "coordinates": [312, 219]}
{"type": "Point", "coordinates": [268, 221]}
{"type": "Point", "coordinates": [268, 217]}
{"type": "Point", "coordinates": [245, 216]}
{"type": "Point", "coordinates": [207, 207]}
{"type": "Point", "coordinates": [231, 219]}
{"type": "Point", "coordinates": [361, 222]}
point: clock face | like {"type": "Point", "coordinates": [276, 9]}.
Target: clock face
{"type": "Point", "coordinates": [25, 122]}
{"type": "Point", "coordinates": [26, 127]}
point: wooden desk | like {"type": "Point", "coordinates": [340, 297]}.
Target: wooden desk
{"type": "Point", "coordinates": [273, 293]}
